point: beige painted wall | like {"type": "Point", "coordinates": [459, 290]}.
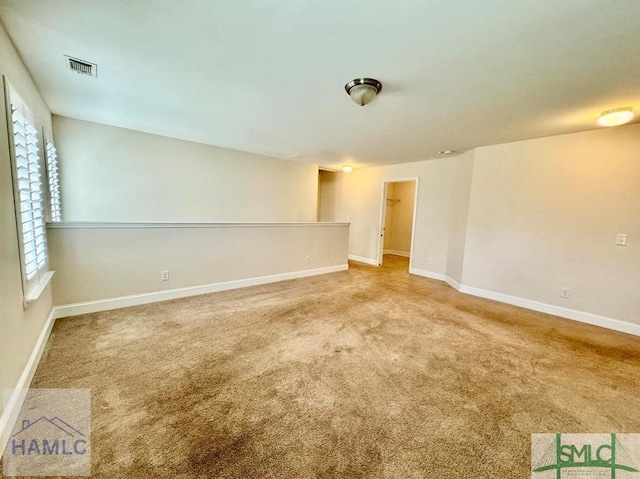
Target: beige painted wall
{"type": "Point", "coordinates": [544, 215]}
{"type": "Point", "coordinates": [362, 202]}
{"type": "Point", "coordinates": [523, 219]}
{"type": "Point", "coordinates": [460, 193]}
{"type": "Point", "coordinates": [399, 217]}
{"type": "Point", "coordinates": [103, 263]}
{"type": "Point", "coordinates": [19, 329]}
{"type": "Point", "coordinates": [329, 195]}
{"type": "Point", "coordinates": [114, 174]}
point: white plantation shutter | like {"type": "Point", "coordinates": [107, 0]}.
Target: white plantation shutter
{"type": "Point", "coordinates": [29, 194]}
{"type": "Point", "coordinates": [54, 181]}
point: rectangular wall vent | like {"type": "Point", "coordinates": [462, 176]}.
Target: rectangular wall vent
{"type": "Point", "coordinates": [81, 66]}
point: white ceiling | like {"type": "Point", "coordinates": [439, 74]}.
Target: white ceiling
{"type": "Point", "coordinates": [267, 76]}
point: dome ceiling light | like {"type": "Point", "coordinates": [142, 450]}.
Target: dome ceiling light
{"type": "Point", "coordinates": [616, 117]}
{"type": "Point", "coordinates": [363, 90]}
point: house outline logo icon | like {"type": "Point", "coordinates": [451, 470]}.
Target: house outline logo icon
{"type": "Point", "coordinates": [61, 438]}
{"type": "Point", "coordinates": [51, 435]}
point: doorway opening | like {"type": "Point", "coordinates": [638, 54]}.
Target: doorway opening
{"type": "Point", "coordinates": [397, 222]}
{"type": "Point", "coordinates": [328, 196]}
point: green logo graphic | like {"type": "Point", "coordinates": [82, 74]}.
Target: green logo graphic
{"type": "Point", "coordinates": [607, 455]}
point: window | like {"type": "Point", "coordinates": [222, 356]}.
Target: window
{"type": "Point", "coordinates": [29, 195]}
{"type": "Point", "coordinates": [55, 209]}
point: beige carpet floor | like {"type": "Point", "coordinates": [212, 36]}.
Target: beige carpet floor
{"type": "Point", "coordinates": [367, 373]}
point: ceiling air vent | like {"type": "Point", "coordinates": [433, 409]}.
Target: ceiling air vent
{"type": "Point", "coordinates": [81, 66]}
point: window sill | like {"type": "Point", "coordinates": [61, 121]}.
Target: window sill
{"type": "Point", "coordinates": [37, 291]}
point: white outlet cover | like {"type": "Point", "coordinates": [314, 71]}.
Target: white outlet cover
{"type": "Point", "coordinates": [621, 240]}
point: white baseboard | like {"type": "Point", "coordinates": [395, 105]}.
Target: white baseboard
{"type": "Point", "coordinates": [362, 259]}
{"type": "Point", "coordinates": [427, 274]}
{"type": "Point", "coordinates": [406, 254]}
{"type": "Point", "coordinates": [14, 404]}
{"type": "Point", "coordinates": [572, 314]}
{"type": "Point", "coordinates": [157, 296]}
{"type": "Point", "coordinates": [452, 282]}
{"type": "Point", "coordinates": [594, 319]}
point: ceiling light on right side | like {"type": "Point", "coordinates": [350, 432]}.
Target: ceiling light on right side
{"type": "Point", "coordinates": [616, 117]}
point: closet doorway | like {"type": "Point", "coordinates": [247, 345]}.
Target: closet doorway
{"type": "Point", "coordinates": [397, 222]}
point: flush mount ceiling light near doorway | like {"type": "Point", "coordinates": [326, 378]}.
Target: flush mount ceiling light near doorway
{"type": "Point", "coordinates": [363, 90]}
{"type": "Point", "coordinates": [616, 117]}
{"type": "Point", "coordinates": [347, 168]}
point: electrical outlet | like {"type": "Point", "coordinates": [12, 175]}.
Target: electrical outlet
{"type": "Point", "coordinates": [429, 261]}
{"type": "Point", "coordinates": [164, 275]}
{"type": "Point", "coordinates": [307, 259]}
{"type": "Point", "coordinates": [565, 292]}
{"type": "Point", "coordinates": [621, 240]}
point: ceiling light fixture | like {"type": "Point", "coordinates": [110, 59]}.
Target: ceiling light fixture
{"type": "Point", "coordinates": [615, 117]}
{"type": "Point", "coordinates": [363, 90]}
{"type": "Point", "coordinates": [446, 152]}
{"type": "Point", "coordinates": [347, 168]}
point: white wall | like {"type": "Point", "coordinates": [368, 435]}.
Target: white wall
{"type": "Point", "coordinates": [460, 193]}
{"type": "Point", "coordinates": [544, 215]}
{"type": "Point", "coordinates": [362, 196]}
{"type": "Point", "coordinates": [114, 174]}
{"type": "Point", "coordinates": [523, 220]}
{"type": "Point", "coordinates": [19, 328]}
{"type": "Point", "coordinates": [96, 263]}
{"type": "Point", "coordinates": [399, 216]}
